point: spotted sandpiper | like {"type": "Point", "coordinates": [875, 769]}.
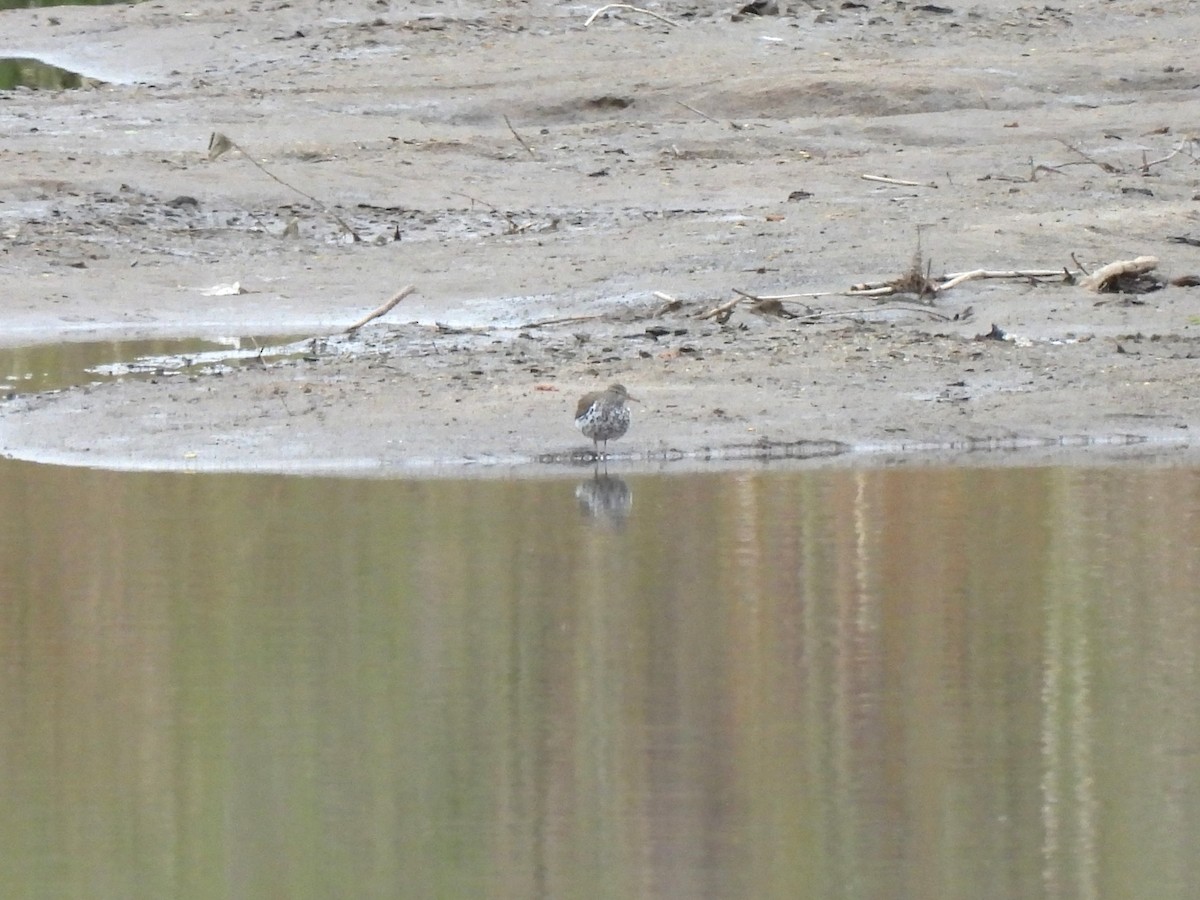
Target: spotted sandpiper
{"type": "Point", "coordinates": [603, 415]}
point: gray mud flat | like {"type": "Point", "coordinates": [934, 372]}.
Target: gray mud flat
{"type": "Point", "coordinates": [690, 161]}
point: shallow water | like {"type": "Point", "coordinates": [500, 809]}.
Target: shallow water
{"type": "Point", "coordinates": [844, 683]}
{"type": "Point", "coordinates": [24, 72]}
{"type": "Point", "coordinates": [52, 367]}
{"type": "Point", "coordinates": [27, 4]}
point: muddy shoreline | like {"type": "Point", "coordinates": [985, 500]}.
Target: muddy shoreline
{"type": "Point", "coordinates": [543, 185]}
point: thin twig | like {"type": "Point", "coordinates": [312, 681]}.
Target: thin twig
{"type": "Point", "coordinates": [736, 126]}
{"type": "Point", "coordinates": [1107, 167]}
{"type": "Point", "coordinates": [218, 143]}
{"type": "Point", "coordinates": [698, 112]}
{"type": "Point", "coordinates": [1154, 162]}
{"type": "Point", "coordinates": [949, 281]}
{"type": "Point", "coordinates": [791, 296]}
{"type": "Point", "coordinates": [864, 290]}
{"type": "Point", "coordinates": [844, 313]}
{"type": "Point", "coordinates": [608, 6]}
{"type": "Point", "coordinates": [885, 180]}
{"type": "Point", "coordinates": [513, 227]}
{"type": "Point", "coordinates": [725, 307]}
{"type": "Point", "coordinates": [520, 140]}
{"type": "Point", "coordinates": [383, 310]}
{"type": "Point", "coordinates": [565, 320]}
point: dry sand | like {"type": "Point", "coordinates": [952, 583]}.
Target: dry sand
{"type": "Point", "coordinates": [690, 159]}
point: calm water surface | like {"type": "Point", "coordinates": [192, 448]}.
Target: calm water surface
{"type": "Point", "coordinates": [892, 683]}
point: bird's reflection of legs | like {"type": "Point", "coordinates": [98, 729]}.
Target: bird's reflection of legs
{"type": "Point", "coordinates": [604, 499]}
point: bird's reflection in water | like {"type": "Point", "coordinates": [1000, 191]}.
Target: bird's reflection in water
{"type": "Point", "coordinates": [604, 500]}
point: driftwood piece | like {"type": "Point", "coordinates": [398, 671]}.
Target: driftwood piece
{"type": "Point", "coordinates": [383, 310]}
{"type": "Point", "coordinates": [1105, 275]}
{"type": "Point", "coordinates": [722, 311]}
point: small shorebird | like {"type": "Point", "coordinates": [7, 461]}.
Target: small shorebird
{"type": "Point", "coordinates": [603, 415]}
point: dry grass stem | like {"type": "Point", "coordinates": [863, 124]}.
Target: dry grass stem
{"type": "Point", "coordinates": [520, 140]}
{"type": "Point", "coordinates": [219, 143]}
{"type": "Point", "coordinates": [883, 179]}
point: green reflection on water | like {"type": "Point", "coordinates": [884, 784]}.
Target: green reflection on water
{"type": "Point", "coordinates": [19, 72]}
{"type": "Point", "coordinates": [50, 367]}
{"type": "Point", "coordinates": [838, 684]}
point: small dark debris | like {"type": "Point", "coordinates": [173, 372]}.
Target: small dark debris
{"type": "Point", "coordinates": [996, 334]}
{"type": "Point", "coordinates": [1145, 192]}
{"type": "Point", "coordinates": [1184, 239]}
{"type": "Point", "coordinates": [931, 8]}
{"type": "Point", "coordinates": [183, 200]}
{"type": "Point", "coordinates": [657, 331]}
{"type": "Point", "coordinates": [771, 308]}
{"type": "Point", "coordinates": [758, 8]}
{"type": "Point", "coordinates": [599, 173]}
{"type": "Point", "coordinates": [800, 195]}
{"type": "Point", "coordinates": [608, 101]}
{"type": "Point", "coordinates": [1132, 283]}
{"type": "Point", "coordinates": [1186, 281]}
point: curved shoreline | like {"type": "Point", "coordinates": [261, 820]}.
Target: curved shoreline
{"type": "Point", "coordinates": [121, 425]}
